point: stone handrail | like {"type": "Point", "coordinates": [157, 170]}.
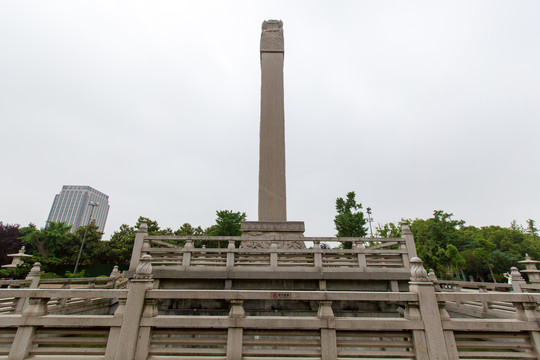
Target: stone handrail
{"type": "Point", "coordinates": [180, 251]}
{"type": "Point", "coordinates": [419, 323]}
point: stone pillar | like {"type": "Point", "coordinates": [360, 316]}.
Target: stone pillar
{"type": "Point", "coordinates": [531, 270]}
{"type": "Point", "coordinates": [407, 235]}
{"type": "Point", "coordinates": [317, 255]}
{"type": "Point", "coordinates": [359, 247]}
{"type": "Point", "coordinates": [235, 332]}
{"type": "Point", "coordinates": [526, 311]}
{"type": "Point", "coordinates": [186, 258]}
{"type": "Point", "coordinates": [24, 336]}
{"type": "Point", "coordinates": [128, 336]}
{"type": "Point", "coordinates": [230, 254]}
{"type": "Point", "coordinates": [136, 254]}
{"type": "Point", "coordinates": [34, 276]}
{"type": "Point", "coordinates": [113, 277]}
{"type": "Point", "coordinates": [328, 331]}
{"type": "Point", "coordinates": [114, 332]}
{"type": "Point", "coordinates": [429, 311]}
{"type": "Point", "coordinates": [517, 280]}
{"type": "Point", "coordinates": [272, 189]}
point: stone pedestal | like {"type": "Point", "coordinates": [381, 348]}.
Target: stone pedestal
{"type": "Point", "coordinates": [286, 234]}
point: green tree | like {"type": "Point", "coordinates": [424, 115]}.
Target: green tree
{"type": "Point", "coordinates": [187, 230]}
{"type": "Point", "coordinates": [46, 242]}
{"type": "Point", "coordinates": [9, 241]}
{"type": "Point", "coordinates": [153, 227]}
{"type": "Point", "coordinates": [433, 237]}
{"type": "Point", "coordinates": [389, 230]}
{"type": "Point", "coordinates": [484, 253]}
{"type": "Point", "coordinates": [349, 222]}
{"type": "Point", "coordinates": [118, 249]}
{"type": "Point", "coordinates": [531, 228]}
{"type": "Point", "coordinates": [228, 223]}
{"type": "Point", "coordinates": [91, 250]}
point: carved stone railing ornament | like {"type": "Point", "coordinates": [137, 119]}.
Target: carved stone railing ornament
{"type": "Point", "coordinates": [418, 273]}
{"type": "Point", "coordinates": [144, 227]}
{"type": "Point", "coordinates": [405, 229]}
{"type": "Point", "coordinates": [144, 269]}
{"type": "Point", "coordinates": [516, 275]}
{"type": "Point", "coordinates": [115, 272]}
{"type": "Point", "coordinates": [36, 270]}
{"type": "Point", "coordinates": [431, 275]}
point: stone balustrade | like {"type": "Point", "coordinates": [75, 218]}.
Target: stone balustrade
{"type": "Point", "coordinates": [415, 325]}
{"type": "Point", "coordinates": [190, 253]}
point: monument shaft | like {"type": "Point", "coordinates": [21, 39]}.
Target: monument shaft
{"type": "Point", "coordinates": [272, 188]}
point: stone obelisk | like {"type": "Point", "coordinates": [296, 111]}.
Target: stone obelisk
{"type": "Point", "coordinates": [272, 188]}
{"type": "Point", "coordinates": [272, 222]}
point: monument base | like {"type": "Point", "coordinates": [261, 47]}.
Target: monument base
{"type": "Point", "coordinates": [289, 234]}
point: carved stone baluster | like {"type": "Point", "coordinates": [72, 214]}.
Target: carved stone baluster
{"type": "Point", "coordinates": [235, 331]}
{"type": "Point", "coordinates": [328, 331]}
{"type": "Point", "coordinates": [362, 263]}
{"type": "Point", "coordinates": [230, 254]}
{"type": "Point", "coordinates": [186, 258]}
{"type": "Point", "coordinates": [317, 255]}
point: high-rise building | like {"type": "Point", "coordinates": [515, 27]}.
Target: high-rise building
{"type": "Point", "coordinates": [76, 203]}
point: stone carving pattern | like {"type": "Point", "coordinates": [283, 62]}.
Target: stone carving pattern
{"type": "Point", "coordinates": [516, 275]}
{"type": "Point", "coordinates": [272, 35]}
{"type": "Point", "coordinates": [418, 273]}
{"type": "Point", "coordinates": [144, 269]}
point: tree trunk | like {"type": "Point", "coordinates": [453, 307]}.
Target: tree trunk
{"type": "Point", "coordinates": [491, 272]}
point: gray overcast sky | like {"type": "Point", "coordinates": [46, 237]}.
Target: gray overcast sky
{"type": "Point", "coordinates": [415, 105]}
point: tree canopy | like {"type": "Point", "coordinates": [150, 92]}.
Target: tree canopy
{"type": "Point", "coordinates": [349, 221]}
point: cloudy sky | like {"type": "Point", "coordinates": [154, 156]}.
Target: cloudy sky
{"type": "Point", "coordinates": [414, 105]}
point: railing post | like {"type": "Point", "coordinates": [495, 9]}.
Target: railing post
{"type": "Point", "coordinates": [145, 247]}
{"type": "Point", "coordinates": [407, 235]}
{"type": "Point", "coordinates": [135, 304]}
{"type": "Point", "coordinates": [362, 263]}
{"type": "Point", "coordinates": [404, 256]}
{"type": "Point", "coordinates": [526, 311]}
{"type": "Point", "coordinates": [22, 343]}
{"type": "Point", "coordinates": [186, 258]}
{"type": "Point", "coordinates": [420, 284]}
{"type": "Point", "coordinates": [517, 280]}
{"type": "Point", "coordinates": [145, 332]}
{"type": "Point", "coordinates": [34, 276]}
{"type": "Point", "coordinates": [328, 331]}
{"type": "Point", "coordinates": [113, 277]}
{"type": "Point", "coordinates": [412, 312]}
{"type": "Point", "coordinates": [63, 301]}
{"type": "Point", "coordinates": [136, 254]}
{"type": "Point", "coordinates": [449, 337]}
{"type": "Point", "coordinates": [273, 255]}
{"type": "Point", "coordinates": [114, 332]}
{"type": "Point", "coordinates": [230, 253]}
{"type": "Point", "coordinates": [317, 255]}
{"type": "Point", "coordinates": [485, 304]}
{"type": "Point", "coordinates": [458, 288]}
{"type": "Point", "coordinates": [235, 332]}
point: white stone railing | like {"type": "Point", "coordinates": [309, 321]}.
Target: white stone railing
{"type": "Point", "coordinates": [62, 305]}
{"type": "Point", "coordinates": [421, 330]}
{"type": "Point", "coordinates": [181, 251]}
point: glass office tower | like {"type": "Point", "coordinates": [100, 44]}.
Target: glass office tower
{"type": "Point", "coordinates": [72, 206]}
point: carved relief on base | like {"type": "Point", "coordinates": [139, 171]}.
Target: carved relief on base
{"type": "Point", "coordinates": [268, 237]}
{"type": "Point", "coordinates": [289, 234]}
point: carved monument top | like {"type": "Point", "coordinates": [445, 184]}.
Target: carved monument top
{"type": "Point", "coordinates": [272, 36]}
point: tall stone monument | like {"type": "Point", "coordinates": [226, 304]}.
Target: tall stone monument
{"type": "Point", "coordinates": [272, 185]}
